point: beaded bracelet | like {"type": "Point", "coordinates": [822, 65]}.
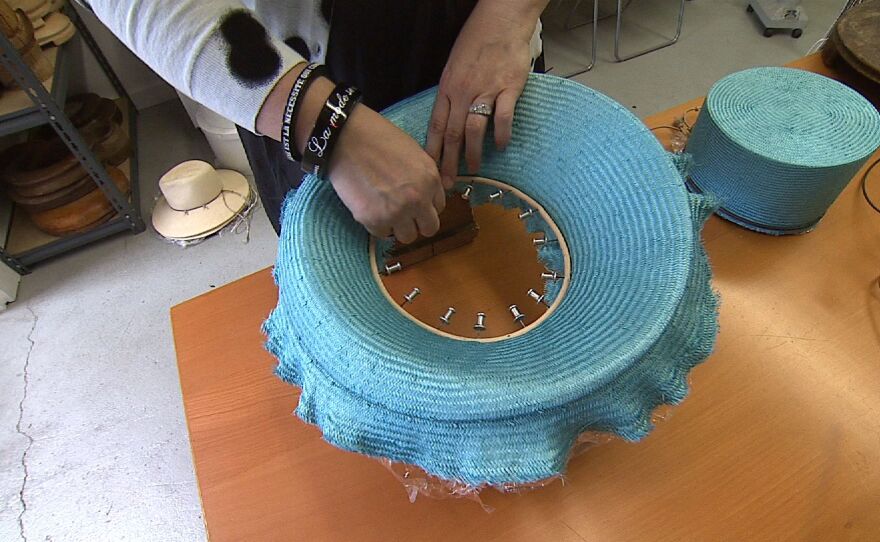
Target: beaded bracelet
{"type": "Point", "coordinates": [327, 128]}
{"type": "Point", "coordinates": [303, 80]}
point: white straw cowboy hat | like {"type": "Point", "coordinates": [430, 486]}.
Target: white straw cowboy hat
{"type": "Point", "coordinates": [198, 200]}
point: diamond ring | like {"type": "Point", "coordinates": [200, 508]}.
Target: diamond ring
{"type": "Point", "coordinates": [481, 108]}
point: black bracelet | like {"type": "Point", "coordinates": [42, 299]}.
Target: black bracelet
{"type": "Point", "coordinates": [327, 128]}
{"type": "Point", "coordinates": [303, 80]}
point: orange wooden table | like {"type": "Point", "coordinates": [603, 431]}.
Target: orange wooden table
{"type": "Point", "coordinates": [779, 439]}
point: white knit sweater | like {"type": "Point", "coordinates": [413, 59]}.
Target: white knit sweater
{"type": "Point", "coordinates": [181, 41]}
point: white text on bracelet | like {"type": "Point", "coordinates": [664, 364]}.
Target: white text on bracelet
{"type": "Point", "coordinates": [318, 144]}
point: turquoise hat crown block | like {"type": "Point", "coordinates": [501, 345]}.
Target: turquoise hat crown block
{"type": "Point", "coordinates": [777, 146]}
{"type": "Point", "coordinates": [638, 315]}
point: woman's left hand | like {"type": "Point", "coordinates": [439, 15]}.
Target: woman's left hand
{"type": "Point", "coordinates": [489, 64]}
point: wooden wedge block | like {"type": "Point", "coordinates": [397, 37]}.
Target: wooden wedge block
{"type": "Point", "coordinates": [57, 30]}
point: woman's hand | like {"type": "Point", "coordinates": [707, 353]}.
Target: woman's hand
{"type": "Point", "coordinates": [387, 181]}
{"type": "Point", "coordinates": [489, 64]}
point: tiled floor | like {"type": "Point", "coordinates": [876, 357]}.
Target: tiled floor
{"type": "Point", "coordinates": [93, 440]}
{"type": "Point", "coordinates": [718, 37]}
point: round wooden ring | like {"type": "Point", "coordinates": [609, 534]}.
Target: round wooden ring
{"type": "Point", "coordinates": [565, 279]}
{"type": "Point", "coordinates": [115, 148]}
{"type": "Point", "coordinates": [36, 162]}
{"type": "Point", "coordinates": [59, 182]}
{"type": "Point", "coordinates": [82, 212]}
{"type": "Point", "coordinates": [56, 199]}
{"type": "Point", "coordinates": [80, 108]}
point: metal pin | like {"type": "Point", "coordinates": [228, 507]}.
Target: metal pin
{"type": "Point", "coordinates": [481, 322]}
{"type": "Point", "coordinates": [393, 268]}
{"type": "Point", "coordinates": [445, 318]}
{"type": "Point", "coordinates": [467, 192]}
{"type": "Point", "coordinates": [412, 295]}
{"type": "Point", "coordinates": [496, 195]}
{"type": "Point", "coordinates": [542, 241]}
{"type": "Point", "coordinates": [535, 295]}
{"type": "Point", "coordinates": [518, 316]}
{"type": "Point", "coordinates": [551, 276]}
{"type": "Point", "coordinates": [526, 214]}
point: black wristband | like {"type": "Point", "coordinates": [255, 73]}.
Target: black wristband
{"type": "Point", "coordinates": [327, 128]}
{"type": "Point", "coordinates": [303, 80]}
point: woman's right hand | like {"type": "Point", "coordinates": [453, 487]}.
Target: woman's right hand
{"type": "Point", "coordinates": [387, 181]}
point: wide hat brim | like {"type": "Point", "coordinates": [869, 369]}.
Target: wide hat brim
{"type": "Point", "coordinates": [202, 221]}
{"type": "Point", "coordinates": [205, 234]}
{"type": "Point", "coordinates": [639, 312]}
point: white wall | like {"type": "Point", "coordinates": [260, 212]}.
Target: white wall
{"type": "Point", "coordinates": [142, 84]}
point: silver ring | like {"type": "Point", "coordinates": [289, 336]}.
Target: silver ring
{"type": "Point", "coordinates": [481, 108]}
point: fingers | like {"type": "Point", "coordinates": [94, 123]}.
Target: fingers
{"type": "Point", "coordinates": [379, 232]}
{"type": "Point", "coordinates": [412, 209]}
{"type": "Point", "coordinates": [504, 108]}
{"type": "Point", "coordinates": [474, 133]}
{"type": "Point", "coordinates": [436, 193]}
{"type": "Point", "coordinates": [437, 127]}
{"type": "Point", "coordinates": [427, 209]}
{"type": "Point", "coordinates": [452, 142]}
{"type": "Point", "coordinates": [428, 222]}
{"type": "Point", "coordinates": [461, 129]}
{"type": "Point", "coordinates": [439, 198]}
{"type": "Point", "coordinates": [405, 231]}
{"type": "Point", "coordinates": [420, 214]}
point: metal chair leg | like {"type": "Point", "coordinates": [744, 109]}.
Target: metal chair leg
{"type": "Point", "coordinates": [592, 63]}
{"type": "Point", "coordinates": [646, 51]}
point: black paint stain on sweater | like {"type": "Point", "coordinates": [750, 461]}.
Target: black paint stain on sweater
{"type": "Point", "coordinates": [252, 58]}
{"type": "Point", "coordinates": [299, 45]}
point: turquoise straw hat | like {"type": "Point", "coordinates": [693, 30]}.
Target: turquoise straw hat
{"type": "Point", "coordinates": [777, 146]}
{"type": "Point", "coordinates": [638, 314]}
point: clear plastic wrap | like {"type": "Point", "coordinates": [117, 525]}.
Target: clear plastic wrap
{"type": "Point", "coordinates": [681, 130]}
{"type": "Point", "coordinates": [417, 482]}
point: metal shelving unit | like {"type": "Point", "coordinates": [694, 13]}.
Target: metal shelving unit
{"type": "Point", "coordinates": [31, 116]}
{"type": "Point", "coordinates": [47, 107]}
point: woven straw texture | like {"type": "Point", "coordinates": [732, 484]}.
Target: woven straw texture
{"type": "Point", "coordinates": [549, 254]}
{"type": "Point", "coordinates": [778, 145]}
{"type": "Point", "coordinates": [638, 315]}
